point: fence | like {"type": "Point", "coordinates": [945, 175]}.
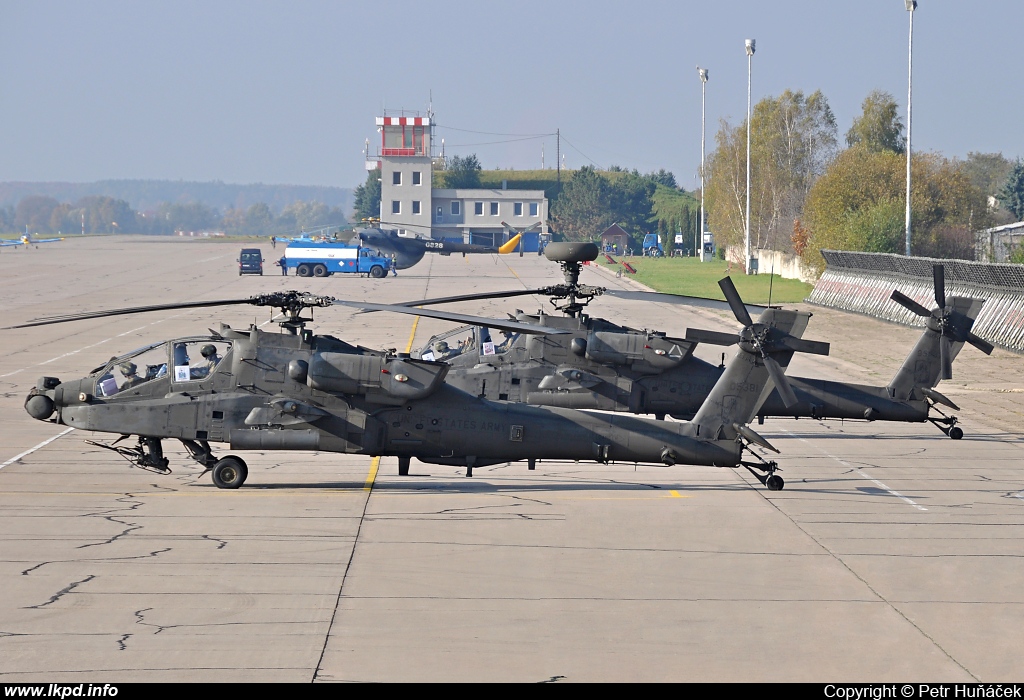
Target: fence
{"type": "Point", "coordinates": [863, 282]}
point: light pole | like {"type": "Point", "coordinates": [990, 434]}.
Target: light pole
{"type": "Point", "coordinates": [698, 246]}
{"type": "Point", "coordinates": [746, 248]}
{"type": "Point", "coordinates": [911, 6]}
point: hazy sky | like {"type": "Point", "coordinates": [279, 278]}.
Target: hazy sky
{"type": "Point", "coordinates": [287, 92]}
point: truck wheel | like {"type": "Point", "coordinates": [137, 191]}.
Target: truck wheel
{"type": "Point", "coordinates": [303, 270]}
{"type": "Point", "coordinates": [319, 270]}
{"type": "Point", "coordinates": [376, 272]}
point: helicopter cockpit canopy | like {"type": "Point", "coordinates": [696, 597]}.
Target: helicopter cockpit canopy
{"type": "Point", "coordinates": [183, 360]}
{"type": "Point", "coordinates": [479, 340]}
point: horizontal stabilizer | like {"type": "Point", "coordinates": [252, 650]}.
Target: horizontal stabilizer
{"type": "Point", "coordinates": [938, 398]}
{"type": "Point", "coordinates": [750, 436]}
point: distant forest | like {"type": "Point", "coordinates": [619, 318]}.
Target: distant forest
{"type": "Point", "coordinates": [164, 207]}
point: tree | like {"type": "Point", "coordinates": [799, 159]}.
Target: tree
{"type": "Point", "coordinates": [793, 139]}
{"type": "Point", "coordinates": [1012, 194]}
{"type": "Point", "coordinates": [463, 172]}
{"type": "Point", "coordinates": [663, 177]}
{"type": "Point", "coordinates": [987, 171]}
{"type": "Point", "coordinates": [879, 127]}
{"type": "Point", "coordinates": [630, 202]}
{"type": "Point", "coordinates": [581, 212]}
{"type": "Point", "coordinates": [859, 204]}
{"type": "Point", "coordinates": [34, 212]}
{"type": "Point", "coordinates": [367, 197]}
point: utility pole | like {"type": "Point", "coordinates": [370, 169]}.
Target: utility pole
{"type": "Point", "coordinates": [746, 247]}
{"type": "Point", "coordinates": [558, 157]}
{"type": "Point", "coordinates": [911, 6]}
{"type": "Point", "coordinates": [698, 248]}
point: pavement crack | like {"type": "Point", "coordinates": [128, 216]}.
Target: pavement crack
{"type": "Point", "coordinates": [61, 593]}
{"type": "Point", "coordinates": [221, 544]}
{"type": "Point", "coordinates": [121, 646]}
{"type": "Point", "coordinates": [148, 555]}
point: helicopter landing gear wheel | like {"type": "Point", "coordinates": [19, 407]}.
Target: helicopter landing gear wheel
{"type": "Point", "coordinates": [774, 482]}
{"type": "Point", "coordinates": [319, 270]}
{"type": "Point", "coordinates": [230, 473]}
{"type": "Point", "coordinates": [955, 433]}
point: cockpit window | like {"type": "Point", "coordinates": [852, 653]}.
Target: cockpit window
{"type": "Point", "coordinates": [132, 370]}
{"type": "Point", "coordinates": [196, 360]}
{"type": "Point", "coordinates": [483, 341]}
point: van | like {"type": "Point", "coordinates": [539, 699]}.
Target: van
{"type": "Point", "coordinates": [250, 262]}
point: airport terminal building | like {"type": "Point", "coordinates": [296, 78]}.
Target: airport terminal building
{"type": "Point", "coordinates": [411, 204]}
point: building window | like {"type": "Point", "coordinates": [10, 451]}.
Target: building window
{"type": "Point", "coordinates": [396, 206]}
{"type": "Point", "coordinates": [396, 177]}
{"type": "Point", "coordinates": [478, 208]}
{"type": "Point", "coordinates": [517, 209]}
{"type": "Point", "coordinates": [438, 214]}
{"type": "Point", "coordinates": [494, 208]}
{"type": "Point", "coordinates": [456, 208]}
{"type": "Point", "coordinates": [534, 208]}
{"type": "Point", "coordinates": [416, 180]}
{"type": "Point", "coordinates": [416, 207]}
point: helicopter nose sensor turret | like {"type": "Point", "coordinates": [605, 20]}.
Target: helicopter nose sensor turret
{"type": "Point", "coordinates": [40, 402]}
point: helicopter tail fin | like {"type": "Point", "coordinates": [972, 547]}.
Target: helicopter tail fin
{"type": "Point", "coordinates": [923, 367]}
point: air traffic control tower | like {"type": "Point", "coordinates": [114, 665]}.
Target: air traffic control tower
{"type": "Point", "coordinates": [406, 165]}
{"type": "Point", "coordinates": [410, 204]}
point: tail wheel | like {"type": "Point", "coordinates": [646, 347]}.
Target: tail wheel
{"type": "Point", "coordinates": [303, 270]}
{"type": "Point", "coordinates": [230, 473]}
{"type": "Point", "coordinates": [319, 270]}
{"type": "Point", "coordinates": [376, 272]}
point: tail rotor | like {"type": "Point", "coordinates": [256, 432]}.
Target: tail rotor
{"type": "Point", "coordinates": [952, 326]}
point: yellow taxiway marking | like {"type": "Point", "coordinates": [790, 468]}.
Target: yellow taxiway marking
{"type": "Point", "coordinates": [375, 462]}
{"type": "Point", "coordinates": [676, 494]}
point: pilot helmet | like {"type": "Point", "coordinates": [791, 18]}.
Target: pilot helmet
{"type": "Point", "coordinates": [128, 368]}
{"type": "Point", "coordinates": [441, 346]}
{"type": "Point", "coordinates": [208, 351]}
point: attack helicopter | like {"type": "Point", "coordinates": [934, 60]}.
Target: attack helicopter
{"type": "Point", "coordinates": [600, 365]}
{"type": "Point", "coordinates": [294, 390]}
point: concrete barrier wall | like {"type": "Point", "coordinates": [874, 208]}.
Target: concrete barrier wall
{"type": "Point", "coordinates": [863, 282]}
{"type": "Point", "coordinates": [785, 265]}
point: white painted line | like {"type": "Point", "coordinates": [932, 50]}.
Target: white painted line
{"type": "Point", "coordinates": [67, 354]}
{"type": "Point", "coordinates": [44, 443]}
{"type": "Point", "coordinates": [883, 486]}
{"type": "Point", "coordinates": [878, 483]}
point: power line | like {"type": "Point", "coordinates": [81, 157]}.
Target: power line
{"type": "Point", "coordinates": [489, 133]}
{"type": "Point", "coordinates": [581, 153]}
{"type": "Point", "coordinates": [489, 143]}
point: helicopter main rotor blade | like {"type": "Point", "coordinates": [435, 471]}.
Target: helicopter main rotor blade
{"type": "Point", "coordinates": [781, 383]}
{"type": "Point", "coordinates": [909, 304]}
{"type": "Point", "coordinates": [739, 310]}
{"type": "Point", "coordinates": [664, 298]}
{"type": "Point", "coordinates": [939, 276]}
{"type": "Point", "coordinates": [64, 318]}
{"type": "Point", "coordinates": [469, 297]}
{"type": "Point", "coordinates": [503, 325]}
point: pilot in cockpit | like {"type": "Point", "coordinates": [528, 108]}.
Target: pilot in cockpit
{"type": "Point", "coordinates": [209, 362]}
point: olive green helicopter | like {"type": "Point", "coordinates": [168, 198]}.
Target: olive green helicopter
{"type": "Point", "coordinates": [597, 364]}
{"type": "Point", "coordinates": [292, 389]}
